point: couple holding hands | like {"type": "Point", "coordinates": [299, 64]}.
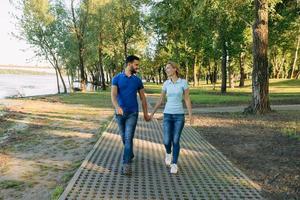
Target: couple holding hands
{"type": "Point", "coordinates": [125, 87]}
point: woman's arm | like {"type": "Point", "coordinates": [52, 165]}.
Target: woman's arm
{"type": "Point", "coordinates": [158, 104]}
{"type": "Point", "coordinates": [188, 104]}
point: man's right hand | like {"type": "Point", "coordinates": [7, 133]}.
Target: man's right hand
{"type": "Point", "coordinates": [119, 111]}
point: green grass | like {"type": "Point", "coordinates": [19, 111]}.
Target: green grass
{"type": "Point", "coordinates": [292, 130]}
{"type": "Point", "coordinates": [281, 92]}
{"type": "Point", "coordinates": [92, 99]}
{"type": "Point", "coordinates": [57, 192]}
{"type": "Point", "coordinates": [8, 184]}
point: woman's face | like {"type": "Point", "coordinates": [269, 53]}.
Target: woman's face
{"type": "Point", "coordinates": [170, 71]}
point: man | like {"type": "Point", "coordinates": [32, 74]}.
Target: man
{"type": "Point", "coordinates": [125, 87]}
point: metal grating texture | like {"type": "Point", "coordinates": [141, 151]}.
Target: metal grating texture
{"type": "Point", "coordinates": [204, 173]}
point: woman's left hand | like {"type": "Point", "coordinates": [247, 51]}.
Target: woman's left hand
{"type": "Point", "coordinates": [191, 120]}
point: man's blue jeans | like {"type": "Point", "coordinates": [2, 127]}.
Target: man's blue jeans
{"type": "Point", "coordinates": [172, 126]}
{"type": "Point", "coordinates": [127, 124]}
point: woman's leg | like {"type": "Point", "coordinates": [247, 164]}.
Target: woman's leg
{"type": "Point", "coordinates": [178, 126]}
{"type": "Point", "coordinates": [167, 129]}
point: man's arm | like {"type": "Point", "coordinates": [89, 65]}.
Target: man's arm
{"type": "Point", "coordinates": [160, 101]}
{"type": "Point", "coordinates": [114, 94]}
{"type": "Point", "coordinates": [144, 104]}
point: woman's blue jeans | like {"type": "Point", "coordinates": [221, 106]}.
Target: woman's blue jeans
{"type": "Point", "coordinates": [172, 126]}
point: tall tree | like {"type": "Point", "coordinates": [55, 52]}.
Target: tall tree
{"type": "Point", "coordinates": [80, 19]}
{"type": "Point", "coordinates": [260, 74]}
{"type": "Point", "coordinates": [42, 26]}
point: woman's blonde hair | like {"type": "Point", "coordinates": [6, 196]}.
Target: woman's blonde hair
{"type": "Point", "coordinates": [175, 66]}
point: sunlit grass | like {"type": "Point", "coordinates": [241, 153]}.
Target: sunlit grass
{"type": "Point", "coordinates": [282, 91]}
{"type": "Point", "coordinates": [93, 99]}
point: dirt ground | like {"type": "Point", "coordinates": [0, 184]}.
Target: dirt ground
{"type": "Point", "coordinates": [266, 148]}
{"type": "Point", "coordinates": [42, 143]}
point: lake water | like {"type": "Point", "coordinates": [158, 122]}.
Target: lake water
{"type": "Point", "coordinates": [28, 85]}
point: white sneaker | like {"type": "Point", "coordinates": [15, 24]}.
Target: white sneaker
{"type": "Point", "coordinates": [174, 169]}
{"type": "Point", "coordinates": [168, 159]}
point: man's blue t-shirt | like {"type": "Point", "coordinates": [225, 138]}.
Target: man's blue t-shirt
{"type": "Point", "coordinates": [127, 91]}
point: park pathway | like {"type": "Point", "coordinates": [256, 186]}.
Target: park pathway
{"type": "Point", "coordinates": [204, 173]}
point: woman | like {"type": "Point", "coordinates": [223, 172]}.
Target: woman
{"type": "Point", "coordinates": [175, 89]}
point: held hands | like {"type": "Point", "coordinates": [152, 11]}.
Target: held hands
{"type": "Point", "coordinates": [149, 117]}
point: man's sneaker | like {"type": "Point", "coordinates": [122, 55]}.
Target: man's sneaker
{"type": "Point", "coordinates": [174, 169]}
{"type": "Point", "coordinates": [126, 170]}
{"type": "Point", "coordinates": [168, 159]}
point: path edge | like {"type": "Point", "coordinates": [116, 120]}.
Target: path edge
{"type": "Point", "coordinates": [71, 183]}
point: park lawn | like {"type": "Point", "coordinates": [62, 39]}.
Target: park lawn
{"type": "Point", "coordinates": [281, 92]}
{"type": "Point", "coordinates": [92, 99]}
{"type": "Point", "coordinates": [43, 140]}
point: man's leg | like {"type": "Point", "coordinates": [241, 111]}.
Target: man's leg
{"type": "Point", "coordinates": [121, 124]}
{"type": "Point", "coordinates": [130, 126]}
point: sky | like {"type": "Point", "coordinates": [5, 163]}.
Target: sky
{"type": "Point", "coordinates": [12, 50]}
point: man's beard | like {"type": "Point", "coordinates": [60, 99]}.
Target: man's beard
{"type": "Point", "coordinates": [133, 71]}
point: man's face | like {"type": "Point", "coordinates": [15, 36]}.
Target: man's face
{"type": "Point", "coordinates": [134, 66]}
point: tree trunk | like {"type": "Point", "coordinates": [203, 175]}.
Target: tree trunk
{"type": "Point", "coordinates": [159, 74]}
{"type": "Point", "coordinates": [224, 69]}
{"type": "Point", "coordinates": [187, 72]}
{"type": "Point", "coordinates": [125, 50]}
{"type": "Point", "coordinates": [298, 74]}
{"type": "Point", "coordinates": [196, 70]}
{"type": "Point", "coordinates": [215, 72]}
{"type": "Point", "coordinates": [231, 75]}
{"type": "Point", "coordinates": [80, 29]}
{"type": "Point", "coordinates": [81, 67]}
{"type": "Point", "coordinates": [124, 36]}
{"type": "Point", "coordinates": [57, 81]}
{"type": "Point", "coordinates": [62, 79]}
{"type": "Point", "coordinates": [58, 72]}
{"type": "Point", "coordinates": [295, 59]}
{"type": "Point", "coordinates": [69, 81]}
{"type": "Point", "coordinates": [165, 75]}
{"type": "Point", "coordinates": [100, 54]}
{"type": "Point", "coordinates": [276, 68]}
{"type": "Point", "coordinates": [107, 77]}
{"type": "Point", "coordinates": [282, 66]}
{"type": "Point", "coordinates": [260, 74]}
{"type": "Point", "coordinates": [209, 72]}
{"type": "Point", "coordinates": [242, 69]}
